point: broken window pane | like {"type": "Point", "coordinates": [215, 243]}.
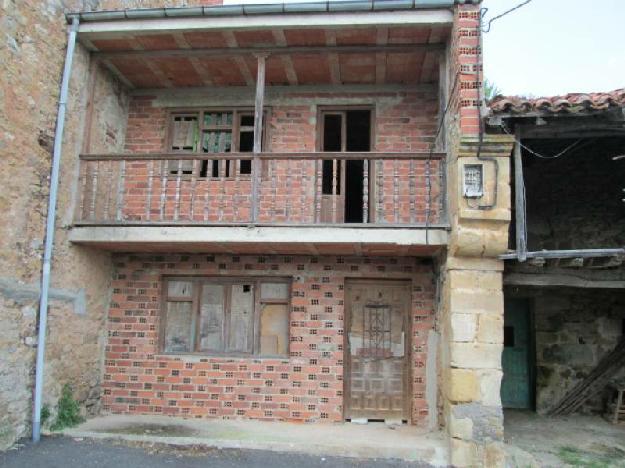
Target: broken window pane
{"type": "Point", "coordinates": [216, 141]}
{"type": "Point", "coordinates": [211, 317]}
{"type": "Point", "coordinates": [240, 337]}
{"type": "Point", "coordinates": [179, 327]}
{"type": "Point", "coordinates": [274, 329]}
{"type": "Point", "coordinates": [216, 119]}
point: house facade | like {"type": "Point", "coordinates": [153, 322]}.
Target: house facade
{"type": "Point", "coordinates": [278, 212]}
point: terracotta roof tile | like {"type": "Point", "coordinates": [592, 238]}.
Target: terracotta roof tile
{"type": "Point", "coordinates": [572, 103]}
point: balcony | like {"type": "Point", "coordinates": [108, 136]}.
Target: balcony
{"type": "Point", "coordinates": [253, 134]}
{"type": "Point", "coordinates": [337, 199]}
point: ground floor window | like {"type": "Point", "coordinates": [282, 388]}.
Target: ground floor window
{"type": "Point", "coordinates": [233, 316]}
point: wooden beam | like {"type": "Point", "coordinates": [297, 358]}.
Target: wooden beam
{"type": "Point", "coordinates": [380, 57]}
{"type": "Point", "coordinates": [519, 191]}
{"type": "Point", "coordinates": [234, 50]}
{"type": "Point", "coordinates": [232, 42]}
{"type": "Point", "coordinates": [160, 74]}
{"type": "Point", "coordinates": [312, 155]}
{"type": "Point", "coordinates": [581, 253]}
{"type": "Point", "coordinates": [199, 68]}
{"type": "Point", "coordinates": [258, 132]}
{"type": "Point", "coordinates": [547, 280]}
{"type": "Point", "coordinates": [93, 72]}
{"type": "Point", "coordinates": [119, 75]}
{"type": "Point", "coordinates": [291, 75]}
{"type": "Point", "coordinates": [333, 58]}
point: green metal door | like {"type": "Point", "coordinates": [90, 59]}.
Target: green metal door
{"type": "Point", "coordinates": [515, 386]}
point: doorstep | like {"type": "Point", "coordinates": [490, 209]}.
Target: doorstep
{"type": "Point", "coordinates": [367, 441]}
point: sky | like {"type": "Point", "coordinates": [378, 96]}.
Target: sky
{"type": "Point", "coordinates": [551, 47]}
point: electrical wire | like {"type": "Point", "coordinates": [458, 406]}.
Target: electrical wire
{"type": "Point", "coordinates": [507, 12]}
{"type": "Point", "coordinates": [428, 181]}
{"type": "Point", "coordinates": [538, 155]}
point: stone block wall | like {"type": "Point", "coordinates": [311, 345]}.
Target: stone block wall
{"type": "Point", "coordinates": [574, 329]}
{"type": "Point", "coordinates": [306, 386]}
{"type": "Point", "coordinates": [471, 305]}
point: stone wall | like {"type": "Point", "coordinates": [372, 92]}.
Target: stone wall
{"type": "Point", "coordinates": [35, 37]}
{"type": "Point", "coordinates": [574, 330]}
{"type": "Point", "coordinates": [471, 306]}
{"type": "Point", "coordinates": [574, 201]}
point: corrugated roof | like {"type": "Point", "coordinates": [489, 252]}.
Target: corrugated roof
{"type": "Point", "coordinates": [572, 103]}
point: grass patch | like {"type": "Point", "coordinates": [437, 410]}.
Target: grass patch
{"type": "Point", "coordinates": [604, 457]}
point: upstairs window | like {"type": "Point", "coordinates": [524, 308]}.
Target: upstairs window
{"type": "Point", "coordinates": [210, 132]}
{"type": "Point", "coordinates": [226, 316]}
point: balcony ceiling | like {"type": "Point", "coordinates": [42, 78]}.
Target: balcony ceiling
{"type": "Point", "coordinates": [369, 55]}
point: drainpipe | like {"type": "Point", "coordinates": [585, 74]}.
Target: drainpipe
{"type": "Point", "coordinates": [49, 244]}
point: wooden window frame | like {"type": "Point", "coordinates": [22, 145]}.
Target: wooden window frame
{"type": "Point", "coordinates": [337, 109]}
{"type": "Point", "coordinates": [235, 129]}
{"type": "Point", "coordinates": [195, 299]}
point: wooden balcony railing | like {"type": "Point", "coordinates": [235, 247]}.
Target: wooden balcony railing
{"type": "Point", "coordinates": [372, 189]}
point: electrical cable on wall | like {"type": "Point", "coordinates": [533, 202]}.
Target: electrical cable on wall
{"type": "Point", "coordinates": [441, 124]}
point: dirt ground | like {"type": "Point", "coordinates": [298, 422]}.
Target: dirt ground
{"type": "Point", "coordinates": [588, 441]}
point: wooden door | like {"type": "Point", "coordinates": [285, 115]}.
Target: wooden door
{"type": "Point", "coordinates": [516, 385]}
{"type": "Point", "coordinates": [377, 350]}
{"type": "Point", "coordinates": [333, 128]}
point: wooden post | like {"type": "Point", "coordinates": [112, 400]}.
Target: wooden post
{"type": "Point", "coordinates": [519, 189]}
{"type": "Point", "coordinates": [258, 132]}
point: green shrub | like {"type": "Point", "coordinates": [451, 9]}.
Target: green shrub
{"type": "Point", "coordinates": [45, 414]}
{"type": "Point", "coordinates": [68, 411]}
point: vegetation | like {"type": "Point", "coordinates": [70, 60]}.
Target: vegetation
{"type": "Point", "coordinates": [610, 457]}
{"type": "Point", "coordinates": [45, 414]}
{"type": "Point", "coordinates": [68, 411]}
{"type": "Point", "coordinates": [490, 90]}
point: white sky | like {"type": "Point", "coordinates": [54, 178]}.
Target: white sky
{"type": "Point", "coordinates": [551, 47]}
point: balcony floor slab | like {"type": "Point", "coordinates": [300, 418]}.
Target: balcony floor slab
{"type": "Point", "coordinates": [264, 240]}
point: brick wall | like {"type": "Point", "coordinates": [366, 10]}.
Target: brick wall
{"type": "Point", "coordinates": [307, 386]}
{"type": "Point", "coordinates": [404, 122]}
{"type": "Point", "coordinates": [465, 63]}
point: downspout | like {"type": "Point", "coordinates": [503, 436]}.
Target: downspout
{"type": "Point", "coordinates": [49, 242]}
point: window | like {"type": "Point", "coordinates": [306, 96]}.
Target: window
{"type": "Point", "coordinates": [213, 131]}
{"type": "Point", "coordinates": [239, 316]}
